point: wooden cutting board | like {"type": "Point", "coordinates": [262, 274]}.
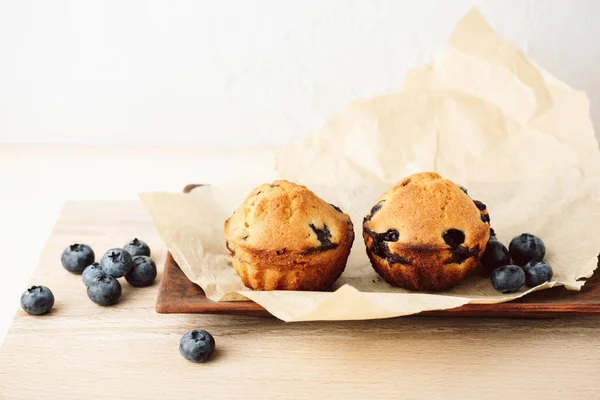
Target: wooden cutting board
{"type": "Point", "coordinates": [128, 351]}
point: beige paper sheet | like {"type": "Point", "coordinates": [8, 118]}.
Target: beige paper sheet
{"type": "Point", "coordinates": [481, 114]}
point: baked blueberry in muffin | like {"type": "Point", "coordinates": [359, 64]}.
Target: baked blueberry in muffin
{"type": "Point", "coordinates": [426, 233]}
{"type": "Point", "coordinates": [284, 237]}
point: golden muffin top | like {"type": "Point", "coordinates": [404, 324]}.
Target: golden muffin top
{"type": "Point", "coordinates": [426, 210]}
{"type": "Point", "coordinates": [288, 217]}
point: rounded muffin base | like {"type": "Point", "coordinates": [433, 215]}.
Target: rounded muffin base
{"type": "Point", "coordinates": [268, 270]}
{"type": "Point", "coordinates": [301, 277]}
{"type": "Point", "coordinates": [429, 269]}
{"type": "Point", "coordinates": [423, 278]}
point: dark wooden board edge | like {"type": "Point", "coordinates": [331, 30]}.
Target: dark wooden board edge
{"type": "Point", "coordinates": [177, 294]}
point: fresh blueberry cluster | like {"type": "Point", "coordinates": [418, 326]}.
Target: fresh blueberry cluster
{"type": "Point", "coordinates": [132, 262]}
{"type": "Point", "coordinates": [528, 268]}
{"type": "Point", "coordinates": [103, 288]}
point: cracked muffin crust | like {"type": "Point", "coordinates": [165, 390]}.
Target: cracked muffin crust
{"type": "Point", "coordinates": [426, 233]}
{"type": "Point", "coordinates": [284, 237]}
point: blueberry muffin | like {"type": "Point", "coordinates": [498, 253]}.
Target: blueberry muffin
{"type": "Point", "coordinates": [284, 237]}
{"type": "Point", "coordinates": [426, 233]}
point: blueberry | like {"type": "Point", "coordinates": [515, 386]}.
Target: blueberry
{"type": "Point", "coordinates": [197, 345]}
{"type": "Point", "coordinates": [526, 247]}
{"type": "Point", "coordinates": [104, 290]}
{"type": "Point", "coordinates": [37, 300]}
{"type": "Point", "coordinates": [77, 257]}
{"type": "Point", "coordinates": [508, 278]}
{"type": "Point", "coordinates": [374, 211]}
{"type": "Point", "coordinates": [391, 235]}
{"type": "Point", "coordinates": [91, 272]}
{"type": "Point", "coordinates": [116, 262]}
{"type": "Point", "coordinates": [323, 236]}
{"type": "Point", "coordinates": [336, 208]}
{"type": "Point", "coordinates": [495, 255]}
{"type": "Point", "coordinates": [137, 247]}
{"type": "Point", "coordinates": [493, 234]}
{"type": "Point", "coordinates": [142, 273]}
{"type": "Point", "coordinates": [537, 272]}
{"type": "Point", "coordinates": [480, 206]}
{"type": "Point", "coordinates": [453, 237]}
{"type": "Point", "coordinates": [380, 246]}
{"type": "Point", "coordinates": [460, 254]}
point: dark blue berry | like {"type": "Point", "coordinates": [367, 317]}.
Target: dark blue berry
{"type": "Point", "coordinates": [104, 290]}
{"type": "Point", "coordinates": [91, 272]}
{"type": "Point", "coordinates": [480, 206]}
{"type": "Point", "coordinates": [495, 255]}
{"type": "Point", "coordinates": [380, 246]}
{"type": "Point", "coordinates": [391, 235]}
{"type": "Point", "coordinates": [336, 208]}
{"type": "Point", "coordinates": [323, 236]}
{"type": "Point", "coordinates": [142, 273]}
{"type": "Point", "coordinates": [508, 278]}
{"type": "Point", "coordinates": [374, 211]}
{"type": "Point", "coordinates": [537, 272]}
{"type": "Point", "coordinates": [460, 254]}
{"type": "Point", "coordinates": [197, 345]}
{"type": "Point", "coordinates": [526, 247]}
{"type": "Point", "coordinates": [493, 234]}
{"type": "Point", "coordinates": [37, 300]}
{"type": "Point", "coordinates": [453, 237]}
{"type": "Point", "coordinates": [77, 257]}
{"type": "Point", "coordinates": [137, 247]}
{"type": "Point", "coordinates": [116, 262]}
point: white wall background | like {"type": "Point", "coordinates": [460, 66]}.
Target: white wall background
{"type": "Point", "coordinates": [236, 73]}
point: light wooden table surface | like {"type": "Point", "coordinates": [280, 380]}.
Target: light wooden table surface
{"type": "Point", "coordinates": [81, 350]}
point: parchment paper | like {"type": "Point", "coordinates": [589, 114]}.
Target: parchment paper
{"type": "Point", "coordinates": [481, 114]}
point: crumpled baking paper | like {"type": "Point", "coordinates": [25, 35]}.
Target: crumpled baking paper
{"type": "Point", "coordinates": [481, 114]}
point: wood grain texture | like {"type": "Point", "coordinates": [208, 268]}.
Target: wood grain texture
{"type": "Point", "coordinates": [129, 351]}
